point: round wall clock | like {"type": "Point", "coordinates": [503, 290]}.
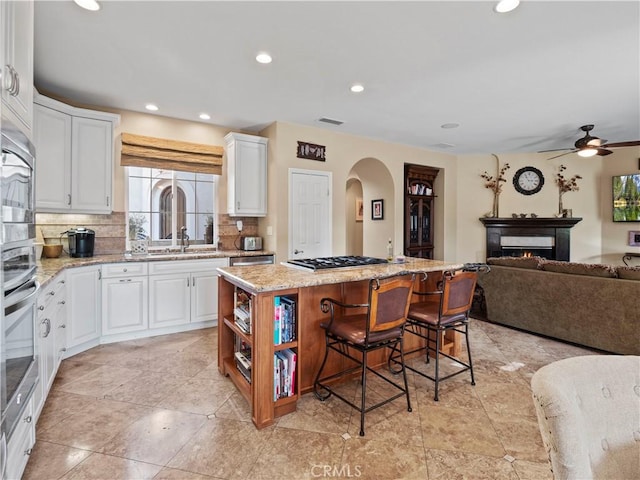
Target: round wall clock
{"type": "Point", "coordinates": [528, 180]}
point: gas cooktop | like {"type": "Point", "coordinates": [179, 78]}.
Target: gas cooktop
{"type": "Point", "coordinates": [324, 263]}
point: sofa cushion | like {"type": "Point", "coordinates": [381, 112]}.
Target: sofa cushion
{"type": "Point", "coordinates": [519, 262]}
{"type": "Point", "coordinates": [629, 273]}
{"type": "Point", "coordinates": [590, 269]}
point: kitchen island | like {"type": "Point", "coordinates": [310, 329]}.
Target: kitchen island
{"type": "Point", "coordinates": [253, 293]}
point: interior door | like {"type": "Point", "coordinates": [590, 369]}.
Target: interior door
{"type": "Point", "coordinates": [310, 213]}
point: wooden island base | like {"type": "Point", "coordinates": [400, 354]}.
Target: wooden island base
{"type": "Point", "coordinates": [309, 343]}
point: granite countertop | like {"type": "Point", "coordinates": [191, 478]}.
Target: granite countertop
{"type": "Point", "coordinates": [266, 278]}
{"type": "Point", "coordinates": [50, 267]}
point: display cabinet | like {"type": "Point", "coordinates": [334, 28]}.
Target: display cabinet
{"type": "Point", "coordinates": [418, 207]}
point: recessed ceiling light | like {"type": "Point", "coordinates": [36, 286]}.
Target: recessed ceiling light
{"type": "Point", "coordinates": [263, 57]}
{"type": "Point", "coordinates": [205, 116]}
{"type": "Point", "coordinates": [151, 107]}
{"type": "Point", "coordinates": [450, 125]}
{"type": "Point", "coordinates": [357, 88]}
{"type": "Point", "coordinates": [88, 4]}
{"type": "Point", "coordinates": [505, 6]}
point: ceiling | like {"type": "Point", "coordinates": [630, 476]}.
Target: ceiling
{"type": "Point", "coordinates": [518, 82]}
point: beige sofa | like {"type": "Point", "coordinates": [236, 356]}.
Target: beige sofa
{"type": "Point", "coordinates": [594, 305]}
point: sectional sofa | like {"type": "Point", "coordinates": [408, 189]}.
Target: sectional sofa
{"type": "Point", "coordinates": [593, 305]}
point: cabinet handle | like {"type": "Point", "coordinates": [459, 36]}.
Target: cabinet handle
{"type": "Point", "coordinates": [124, 270]}
{"type": "Point", "coordinates": [107, 201]}
{"type": "Point", "coordinates": [63, 349]}
{"type": "Point", "coordinates": [16, 89]}
{"type": "Point", "coordinates": [52, 293]}
{"type": "Point", "coordinates": [41, 307]}
{"type": "Point", "coordinates": [123, 280]}
{"type": "Point", "coordinates": [68, 199]}
{"type": "Point", "coordinates": [48, 324]}
{"type": "Point", "coordinates": [28, 419]}
{"type": "Point", "coordinates": [62, 302]}
{"type": "Point", "coordinates": [62, 326]}
{"type": "Point", "coordinates": [194, 282]}
{"type": "Point", "coordinates": [28, 451]}
{"type": "Point", "coordinates": [188, 282]}
{"type": "Point", "coordinates": [62, 282]}
{"type": "Point", "coordinates": [238, 204]}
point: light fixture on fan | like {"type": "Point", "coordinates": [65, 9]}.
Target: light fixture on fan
{"type": "Point", "coordinates": [588, 152]}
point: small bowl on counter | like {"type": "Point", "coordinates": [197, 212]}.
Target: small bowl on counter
{"type": "Point", "coordinates": [51, 251]}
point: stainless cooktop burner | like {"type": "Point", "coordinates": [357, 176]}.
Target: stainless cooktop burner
{"type": "Point", "coordinates": [324, 263]}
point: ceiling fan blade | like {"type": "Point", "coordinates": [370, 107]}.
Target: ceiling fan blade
{"type": "Point", "coordinates": [553, 150]}
{"type": "Point", "coordinates": [562, 154]}
{"type": "Point", "coordinates": [603, 151]}
{"type": "Point", "coordinates": [633, 143]}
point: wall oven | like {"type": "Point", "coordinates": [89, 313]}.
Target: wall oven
{"type": "Point", "coordinates": [18, 349]}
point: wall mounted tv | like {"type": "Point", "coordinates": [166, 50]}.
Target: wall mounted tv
{"type": "Point", "coordinates": [626, 198]}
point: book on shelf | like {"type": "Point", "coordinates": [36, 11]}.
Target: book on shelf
{"type": "Point", "coordinates": [284, 320]}
{"type": "Point", "coordinates": [284, 373]}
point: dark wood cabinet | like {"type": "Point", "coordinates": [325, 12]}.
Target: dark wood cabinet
{"type": "Point", "coordinates": [418, 210]}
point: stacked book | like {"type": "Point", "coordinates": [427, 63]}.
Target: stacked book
{"type": "Point", "coordinates": [284, 373]}
{"type": "Point", "coordinates": [284, 320]}
{"type": "Point", "coordinates": [242, 318]}
{"type": "Point", "coordinates": [243, 358]}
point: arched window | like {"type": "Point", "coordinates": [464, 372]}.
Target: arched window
{"type": "Point", "coordinates": [166, 211]}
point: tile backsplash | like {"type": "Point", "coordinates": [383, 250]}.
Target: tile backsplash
{"type": "Point", "coordinates": [111, 234]}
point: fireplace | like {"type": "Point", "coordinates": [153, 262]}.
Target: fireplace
{"type": "Point", "coordinates": [549, 238]}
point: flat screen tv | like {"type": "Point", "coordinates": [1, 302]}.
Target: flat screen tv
{"type": "Point", "coordinates": [626, 198]}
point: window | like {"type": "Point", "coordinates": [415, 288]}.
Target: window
{"type": "Point", "coordinates": [161, 202]}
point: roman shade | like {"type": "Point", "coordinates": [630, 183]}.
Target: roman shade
{"type": "Point", "coordinates": [150, 152]}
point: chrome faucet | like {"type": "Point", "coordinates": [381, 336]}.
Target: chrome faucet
{"type": "Point", "coordinates": [183, 237]}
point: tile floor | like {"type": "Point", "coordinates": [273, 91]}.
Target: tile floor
{"type": "Point", "coordinates": [158, 408]}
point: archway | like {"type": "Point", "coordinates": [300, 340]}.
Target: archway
{"type": "Point", "coordinates": [377, 184]}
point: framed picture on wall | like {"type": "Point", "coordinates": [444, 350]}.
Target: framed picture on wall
{"type": "Point", "coordinates": [634, 238]}
{"type": "Point", "coordinates": [377, 209]}
{"type": "Point", "coordinates": [359, 210]}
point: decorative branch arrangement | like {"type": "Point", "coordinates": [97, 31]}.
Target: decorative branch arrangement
{"type": "Point", "coordinates": [495, 184]}
{"type": "Point", "coordinates": [565, 185]}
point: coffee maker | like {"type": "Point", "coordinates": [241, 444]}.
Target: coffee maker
{"type": "Point", "coordinates": [81, 241]}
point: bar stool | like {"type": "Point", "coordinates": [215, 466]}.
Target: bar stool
{"type": "Point", "coordinates": [446, 309]}
{"type": "Point", "coordinates": [380, 326]}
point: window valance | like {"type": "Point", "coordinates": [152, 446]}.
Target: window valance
{"type": "Point", "coordinates": [150, 152]}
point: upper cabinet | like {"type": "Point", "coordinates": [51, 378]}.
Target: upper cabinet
{"type": "Point", "coordinates": [74, 158]}
{"type": "Point", "coordinates": [246, 175]}
{"type": "Point", "coordinates": [17, 64]}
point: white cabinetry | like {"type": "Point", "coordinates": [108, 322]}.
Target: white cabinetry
{"type": "Point", "coordinates": [17, 64]}
{"type": "Point", "coordinates": [21, 443]}
{"type": "Point", "coordinates": [75, 148]}
{"type": "Point", "coordinates": [124, 298]}
{"type": "Point", "coordinates": [84, 308]}
{"type": "Point", "coordinates": [52, 319]}
{"type": "Point", "coordinates": [246, 175]}
{"type": "Point", "coordinates": [183, 292]}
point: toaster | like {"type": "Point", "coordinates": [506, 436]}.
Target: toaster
{"type": "Point", "coordinates": [251, 243]}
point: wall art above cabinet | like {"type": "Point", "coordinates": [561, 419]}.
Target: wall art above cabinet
{"type": "Point", "coordinates": [246, 175]}
{"type": "Point", "coordinates": [74, 161]}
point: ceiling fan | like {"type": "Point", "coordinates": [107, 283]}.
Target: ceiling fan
{"type": "Point", "coordinates": [589, 145]}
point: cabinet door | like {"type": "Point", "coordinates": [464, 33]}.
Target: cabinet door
{"type": "Point", "coordinates": [247, 175]}
{"type": "Point", "coordinates": [84, 310]}
{"type": "Point", "coordinates": [169, 300]}
{"type": "Point", "coordinates": [124, 305]}
{"type": "Point", "coordinates": [92, 160]}
{"type": "Point", "coordinates": [204, 297]}
{"type": "Point", "coordinates": [17, 81]}
{"type": "Point", "coordinates": [52, 134]}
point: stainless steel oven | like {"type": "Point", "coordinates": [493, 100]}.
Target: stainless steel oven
{"type": "Point", "coordinates": [18, 350]}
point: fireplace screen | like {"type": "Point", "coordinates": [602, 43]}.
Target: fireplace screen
{"type": "Point", "coordinates": [527, 246]}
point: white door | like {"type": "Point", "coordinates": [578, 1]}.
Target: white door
{"type": "Point", "coordinates": [310, 215]}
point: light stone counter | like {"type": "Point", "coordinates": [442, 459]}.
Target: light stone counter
{"type": "Point", "coordinates": [50, 267]}
{"type": "Point", "coordinates": [266, 278]}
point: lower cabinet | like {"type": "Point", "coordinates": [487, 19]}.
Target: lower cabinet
{"type": "Point", "coordinates": [183, 292]}
{"type": "Point", "coordinates": [52, 337]}
{"type": "Point", "coordinates": [84, 308]}
{"type": "Point", "coordinates": [20, 445]}
{"type": "Point", "coordinates": [124, 298]}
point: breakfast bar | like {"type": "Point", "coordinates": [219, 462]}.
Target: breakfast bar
{"type": "Point", "coordinates": [248, 319]}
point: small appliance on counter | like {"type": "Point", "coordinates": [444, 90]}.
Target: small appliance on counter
{"type": "Point", "coordinates": [81, 241]}
{"type": "Point", "coordinates": [251, 243]}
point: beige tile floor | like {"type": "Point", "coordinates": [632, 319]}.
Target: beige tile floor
{"type": "Point", "coordinates": [158, 408]}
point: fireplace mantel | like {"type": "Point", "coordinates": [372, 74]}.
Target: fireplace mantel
{"type": "Point", "coordinates": [558, 228]}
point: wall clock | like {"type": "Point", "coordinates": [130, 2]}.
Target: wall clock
{"type": "Point", "coordinates": [528, 180]}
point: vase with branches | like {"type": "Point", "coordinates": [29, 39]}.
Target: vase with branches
{"type": "Point", "coordinates": [565, 185]}
{"type": "Point", "coordinates": [495, 185]}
